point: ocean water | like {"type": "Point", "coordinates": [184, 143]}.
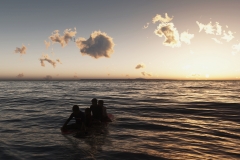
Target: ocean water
{"type": "Point", "coordinates": [153, 119]}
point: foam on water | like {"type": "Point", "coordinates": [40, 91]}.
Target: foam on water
{"type": "Point", "coordinates": [154, 119]}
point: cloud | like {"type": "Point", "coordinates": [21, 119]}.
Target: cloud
{"type": "Point", "coordinates": [146, 74]}
{"type": "Point", "coordinates": [195, 75]}
{"type": "Point", "coordinates": [218, 29]}
{"type": "Point", "coordinates": [170, 33]}
{"type": "Point", "coordinates": [217, 41]}
{"type": "Point", "coordinates": [20, 75]}
{"type": "Point", "coordinates": [236, 47]}
{"type": "Point", "coordinates": [48, 77]}
{"type": "Point", "coordinates": [47, 44]}
{"type": "Point", "coordinates": [208, 28]}
{"type": "Point", "coordinates": [21, 50]}
{"type": "Point", "coordinates": [98, 45]}
{"type": "Point", "coordinates": [146, 26]}
{"type": "Point", "coordinates": [59, 61]}
{"type": "Point", "coordinates": [186, 37]}
{"type": "Point", "coordinates": [161, 19]}
{"type": "Point", "coordinates": [140, 66]}
{"type": "Point", "coordinates": [228, 37]}
{"type": "Point", "coordinates": [47, 59]}
{"type": "Point", "coordinates": [63, 40]}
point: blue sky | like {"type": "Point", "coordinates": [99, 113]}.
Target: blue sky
{"type": "Point", "coordinates": [125, 37]}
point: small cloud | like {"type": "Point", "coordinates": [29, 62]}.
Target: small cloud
{"type": "Point", "coordinates": [170, 33]}
{"type": "Point", "coordinates": [63, 40]}
{"type": "Point", "coordinates": [48, 77]}
{"type": "Point", "coordinates": [236, 47]}
{"type": "Point", "coordinates": [186, 37]}
{"type": "Point", "coordinates": [146, 26]}
{"type": "Point", "coordinates": [21, 50]}
{"type": "Point", "coordinates": [20, 75]}
{"type": "Point", "coordinates": [126, 75]}
{"type": "Point", "coordinates": [228, 37]}
{"type": "Point", "coordinates": [146, 74]}
{"type": "Point", "coordinates": [47, 59]}
{"type": "Point", "coordinates": [217, 41]}
{"type": "Point", "coordinates": [140, 66]}
{"type": "Point", "coordinates": [59, 61]}
{"type": "Point", "coordinates": [195, 75]}
{"type": "Point", "coordinates": [208, 28]}
{"type": "Point", "coordinates": [98, 45]}
{"type": "Point", "coordinates": [218, 29]}
{"type": "Point", "coordinates": [47, 44]}
{"type": "Point", "coordinates": [200, 25]}
{"type": "Point", "coordinates": [161, 19]}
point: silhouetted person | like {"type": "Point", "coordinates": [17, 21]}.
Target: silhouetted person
{"type": "Point", "coordinates": [88, 117]}
{"type": "Point", "coordinates": [96, 110]}
{"type": "Point", "coordinates": [105, 117]}
{"type": "Point", "coordinates": [79, 117]}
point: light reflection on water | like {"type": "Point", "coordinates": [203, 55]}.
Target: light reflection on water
{"type": "Point", "coordinates": [154, 119]}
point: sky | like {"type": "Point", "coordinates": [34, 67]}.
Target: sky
{"type": "Point", "coordinates": [113, 39]}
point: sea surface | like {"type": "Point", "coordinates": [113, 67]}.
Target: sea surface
{"type": "Point", "coordinates": [153, 120]}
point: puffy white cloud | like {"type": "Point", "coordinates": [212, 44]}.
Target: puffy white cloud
{"type": "Point", "coordinates": [21, 50]}
{"type": "Point", "coordinates": [228, 37]}
{"type": "Point", "coordinates": [63, 40]}
{"type": "Point", "coordinates": [140, 66]}
{"type": "Point", "coordinates": [217, 41]}
{"type": "Point", "coordinates": [161, 19]}
{"type": "Point", "coordinates": [186, 37]}
{"type": "Point", "coordinates": [47, 44]}
{"type": "Point", "coordinates": [20, 75]}
{"type": "Point", "coordinates": [99, 44]}
{"type": "Point", "coordinates": [170, 33]}
{"type": "Point", "coordinates": [47, 59]}
{"type": "Point", "coordinates": [146, 74]}
{"type": "Point", "coordinates": [146, 26]}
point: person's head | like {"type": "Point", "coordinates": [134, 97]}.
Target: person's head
{"type": "Point", "coordinates": [75, 109]}
{"type": "Point", "coordinates": [100, 102]}
{"type": "Point", "coordinates": [94, 101]}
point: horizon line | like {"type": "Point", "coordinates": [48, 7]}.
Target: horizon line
{"type": "Point", "coordinates": [139, 79]}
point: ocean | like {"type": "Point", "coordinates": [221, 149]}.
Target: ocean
{"type": "Point", "coordinates": [154, 119]}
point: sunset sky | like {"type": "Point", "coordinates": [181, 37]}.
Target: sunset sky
{"type": "Point", "coordinates": [120, 39]}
